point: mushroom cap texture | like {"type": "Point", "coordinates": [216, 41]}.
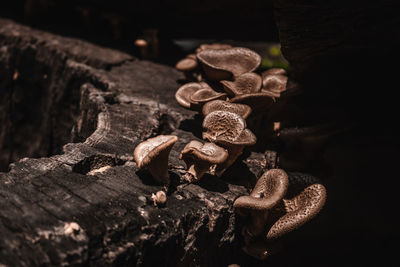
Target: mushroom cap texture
{"type": "Point", "coordinates": [267, 193]}
{"type": "Point", "coordinates": [186, 64]}
{"type": "Point", "coordinates": [245, 83]}
{"type": "Point", "coordinates": [205, 95]}
{"type": "Point", "coordinates": [275, 83]}
{"type": "Point", "coordinates": [263, 99]}
{"type": "Point", "coordinates": [240, 109]}
{"type": "Point", "coordinates": [208, 152]}
{"type": "Point", "coordinates": [304, 199]}
{"type": "Point", "coordinates": [227, 128]}
{"type": "Point", "coordinates": [184, 93]}
{"type": "Point", "coordinates": [148, 151]}
{"type": "Point", "coordinates": [212, 46]}
{"type": "Point", "coordinates": [221, 64]}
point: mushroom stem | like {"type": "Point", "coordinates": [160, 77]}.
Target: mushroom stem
{"type": "Point", "coordinates": [196, 171]}
{"type": "Point", "coordinates": [233, 153]}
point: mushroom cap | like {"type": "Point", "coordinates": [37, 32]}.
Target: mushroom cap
{"type": "Point", "coordinates": [186, 64]}
{"type": "Point", "coordinates": [208, 152]}
{"type": "Point", "coordinates": [262, 99]}
{"type": "Point", "coordinates": [205, 94]}
{"type": "Point", "coordinates": [274, 71]}
{"type": "Point", "coordinates": [148, 151]}
{"type": "Point", "coordinates": [222, 64]}
{"type": "Point", "coordinates": [245, 83]}
{"type": "Point", "coordinates": [267, 193]}
{"type": "Point", "coordinates": [227, 128]}
{"type": "Point", "coordinates": [240, 109]}
{"type": "Point", "coordinates": [304, 199]}
{"type": "Point", "coordinates": [275, 83]}
{"type": "Point", "coordinates": [141, 43]}
{"type": "Point", "coordinates": [212, 46]}
{"type": "Point", "coordinates": [184, 93]}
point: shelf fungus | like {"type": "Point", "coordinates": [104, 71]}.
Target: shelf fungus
{"type": "Point", "coordinates": [184, 93]}
{"type": "Point", "coordinates": [204, 95]}
{"type": "Point", "coordinates": [200, 157]}
{"type": "Point", "coordinates": [245, 83]}
{"type": "Point", "coordinates": [159, 198]}
{"type": "Point", "coordinates": [225, 64]}
{"type": "Point", "coordinates": [153, 154]}
{"type": "Point", "coordinates": [228, 130]}
{"type": "Point", "coordinates": [242, 110]}
{"type": "Point", "coordinates": [277, 205]}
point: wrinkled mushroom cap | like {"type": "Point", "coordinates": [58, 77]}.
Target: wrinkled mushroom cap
{"type": "Point", "coordinates": [184, 93]}
{"type": "Point", "coordinates": [206, 94]}
{"type": "Point", "coordinates": [227, 128]}
{"type": "Point", "coordinates": [208, 152]}
{"type": "Point", "coordinates": [141, 43]}
{"type": "Point", "coordinates": [267, 193]}
{"type": "Point", "coordinates": [245, 83]}
{"type": "Point", "coordinates": [240, 109]}
{"type": "Point", "coordinates": [304, 199]}
{"type": "Point", "coordinates": [186, 64]}
{"type": "Point", "coordinates": [224, 63]}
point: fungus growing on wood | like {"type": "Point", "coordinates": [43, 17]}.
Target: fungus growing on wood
{"type": "Point", "coordinates": [184, 93]}
{"type": "Point", "coordinates": [277, 205]}
{"type": "Point", "coordinates": [152, 155]}
{"type": "Point", "coordinates": [200, 157]}
{"type": "Point", "coordinates": [255, 100]}
{"type": "Point", "coordinates": [245, 83]}
{"type": "Point", "coordinates": [240, 109]}
{"type": "Point", "coordinates": [224, 64]}
{"type": "Point", "coordinates": [204, 95]}
{"type": "Point", "coordinates": [212, 46]}
{"type": "Point", "coordinates": [275, 84]}
{"type": "Point", "coordinates": [187, 64]}
{"type": "Point", "coordinates": [159, 198]}
{"type": "Point", "coordinates": [228, 130]}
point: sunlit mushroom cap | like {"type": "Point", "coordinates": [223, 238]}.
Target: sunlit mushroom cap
{"type": "Point", "coordinates": [212, 46]}
{"type": "Point", "coordinates": [267, 193]}
{"type": "Point", "coordinates": [206, 94]}
{"type": "Point", "coordinates": [184, 93]}
{"type": "Point", "coordinates": [227, 128]}
{"type": "Point", "coordinates": [209, 152]}
{"type": "Point", "coordinates": [186, 64]}
{"type": "Point", "coordinates": [224, 63]}
{"type": "Point", "coordinates": [275, 83]}
{"type": "Point", "coordinates": [149, 150]}
{"type": "Point", "coordinates": [304, 199]}
{"type": "Point", "coordinates": [245, 83]}
{"type": "Point", "coordinates": [240, 109]}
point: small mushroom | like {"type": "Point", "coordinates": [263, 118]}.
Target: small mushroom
{"type": "Point", "coordinates": [246, 83]}
{"type": "Point", "coordinates": [152, 155]}
{"type": "Point", "coordinates": [228, 130]}
{"type": "Point", "coordinates": [143, 46]}
{"type": "Point", "coordinates": [200, 157]}
{"type": "Point", "coordinates": [275, 84]}
{"type": "Point", "coordinates": [184, 93]}
{"type": "Point", "coordinates": [204, 95]}
{"type": "Point", "coordinates": [224, 64]}
{"type": "Point", "coordinates": [186, 65]}
{"type": "Point", "coordinates": [159, 198]}
{"type": "Point", "coordinates": [240, 109]}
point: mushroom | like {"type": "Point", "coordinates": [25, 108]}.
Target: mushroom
{"type": "Point", "coordinates": [159, 198]}
{"type": "Point", "coordinates": [274, 71]}
{"type": "Point", "coordinates": [212, 46]}
{"type": "Point", "coordinates": [143, 46]}
{"type": "Point", "coordinates": [224, 64]}
{"type": "Point", "coordinates": [255, 100]}
{"type": "Point", "coordinates": [204, 95]}
{"type": "Point", "coordinates": [184, 93]}
{"type": "Point", "coordinates": [228, 130]}
{"type": "Point", "coordinates": [240, 109]}
{"type": "Point", "coordinates": [275, 84]}
{"type": "Point", "coordinates": [277, 205]}
{"type": "Point", "coordinates": [189, 63]}
{"type": "Point", "coordinates": [200, 157]}
{"type": "Point", "coordinates": [245, 83]}
{"type": "Point", "coordinates": [152, 155]}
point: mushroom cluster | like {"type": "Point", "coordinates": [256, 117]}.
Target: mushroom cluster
{"type": "Point", "coordinates": [277, 206]}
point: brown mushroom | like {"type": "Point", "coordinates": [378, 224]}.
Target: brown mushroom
{"type": "Point", "coordinates": [143, 46]}
{"type": "Point", "coordinates": [228, 130]}
{"type": "Point", "coordinates": [274, 71]}
{"type": "Point", "coordinates": [255, 100]}
{"type": "Point", "coordinates": [184, 93]}
{"type": "Point", "coordinates": [200, 157]}
{"type": "Point", "coordinates": [275, 84]}
{"type": "Point", "coordinates": [224, 64]}
{"type": "Point", "coordinates": [245, 83]}
{"type": "Point", "coordinates": [152, 155]}
{"type": "Point", "coordinates": [159, 198]}
{"type": "Point", "coordinates": [212, 46]}
{"type": "Point", "coordinates": [204, 95]}
{"type": "Point", "coordinates": [240, 109]}
{"type": "Point", "coordinates": [277, 205]}
{"type": "Point", "coordinates": [187, 64]}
